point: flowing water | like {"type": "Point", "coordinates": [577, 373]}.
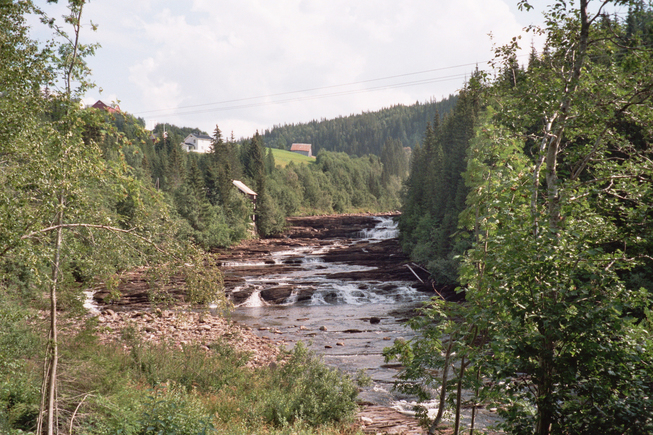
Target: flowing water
{"type": "Point", "coordinates": [348, 322]}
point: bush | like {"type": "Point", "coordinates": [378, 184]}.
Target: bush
{"type": "Point", "coordinates": [173, 411]}
{"type": "Point", "coordinates": [309, 391]}
{"type": "Point", "coordinates": [19, 387]}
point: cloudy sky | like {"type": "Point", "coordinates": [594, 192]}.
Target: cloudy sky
{"type": "Point", "coordinates": [252, 64]}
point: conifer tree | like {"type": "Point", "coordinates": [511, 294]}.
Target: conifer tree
{"type": "Point", "coordinates": [255, 162]}
{"type": "Point", "coordinates": [219, 170]}
{"type": "Point", "coordinates": [269, 162]}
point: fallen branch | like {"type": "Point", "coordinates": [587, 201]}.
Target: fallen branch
{"type": "Point", "coordinates": [75, 413]}
{"type": "Point", "coordinates": [416, 276]}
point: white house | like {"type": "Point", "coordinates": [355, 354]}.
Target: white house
{"type": "Point", "coordinates": [198, 143]}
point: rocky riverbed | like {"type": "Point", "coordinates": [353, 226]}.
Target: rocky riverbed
{"type": "Point", "coordinates": [325, 240]}
{"type": "Point", "coordinates": [328, 280]}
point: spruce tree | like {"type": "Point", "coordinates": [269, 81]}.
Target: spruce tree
{"type": "Point", "coordinates": [219, 170]}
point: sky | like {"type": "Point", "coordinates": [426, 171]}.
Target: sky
{"type": "Point", "coordinates": [249, 65]}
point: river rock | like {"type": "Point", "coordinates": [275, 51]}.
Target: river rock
{"type": "Point", "coordinates": [305, 294]}
{"type": "Point", "coordinates": [323, 328]}
{"type": "Point", "coordinates": [277, 295]}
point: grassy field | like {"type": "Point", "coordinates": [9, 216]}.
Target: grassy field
{"type": "Point", "coordinates": [282, 158]}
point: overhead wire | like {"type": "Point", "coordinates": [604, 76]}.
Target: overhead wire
{"type": "Point", "coordinates": [184, 109]}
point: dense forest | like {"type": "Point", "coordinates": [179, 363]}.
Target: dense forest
{"type": "Point", "coordinates": [534, 197]}
{"type": "Point", "coordinates": [361, 134]}
{"type": "Point", "coordinates": [435, 190]}
{"type": "Point", "coordinates": [214, 214]}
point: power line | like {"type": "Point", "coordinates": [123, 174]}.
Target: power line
{"type": "Point", "coordinates": [180, 110]}
{"type": "Point", "coordinates": [319, 96]}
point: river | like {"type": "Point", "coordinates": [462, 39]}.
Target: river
{"type": "Point", "coordinates": [346, 295]}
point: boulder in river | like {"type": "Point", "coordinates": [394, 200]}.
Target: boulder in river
{"type": "Point", "coordinates": [277, 295]}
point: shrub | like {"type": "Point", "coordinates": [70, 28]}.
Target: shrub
{"type": "Point", "coordinates": [173, 411]}
{"type": "Point", "coordinates": [309, 391]}
{"type": "Point", "coordinates": [19, 396]}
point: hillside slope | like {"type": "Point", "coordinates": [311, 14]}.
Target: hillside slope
{"type": "Point", "coordinates": [364, 133]}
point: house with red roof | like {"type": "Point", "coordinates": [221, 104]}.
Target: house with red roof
{"type": "Point", "coordinates": [101, 106]}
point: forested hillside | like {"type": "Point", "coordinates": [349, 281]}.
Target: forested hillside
{"type": "Point", "coordinates": [550, 239]}
{"type": "Point", "coordinates": [435, 190]}
{"type": "Point", "coordinates": [213, 213]}
{"type": "Point", "coordinates": [364, 133]}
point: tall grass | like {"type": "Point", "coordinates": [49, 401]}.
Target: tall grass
{"type": "Point", "coordinates": [137, 388]}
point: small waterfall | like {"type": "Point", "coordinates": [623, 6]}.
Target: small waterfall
{"type": "Point", "coordinates": [254, 300]}
{"type": "Point", "coordinates": [89, 302]}
{"type": "Point", "coordinates": [385, 229]}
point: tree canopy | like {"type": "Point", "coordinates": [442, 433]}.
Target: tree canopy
{"type": "Point", "coordinates": [555, 329]}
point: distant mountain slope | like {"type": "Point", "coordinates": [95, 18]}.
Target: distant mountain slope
{"type": "Point", "coordinates": [361, 134]}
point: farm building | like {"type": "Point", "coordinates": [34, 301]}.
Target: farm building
{"type": "Point", "coordinates": [302, 148]}
{"type": "Point", "coordinates": [101, 106]}
{"type": "Point", "coordinates": [242, 187]}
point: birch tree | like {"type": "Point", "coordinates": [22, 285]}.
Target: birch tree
{"type": "Point", "coordinates": [557, 281]}
{"type": "Point", "coordinates": [60, 192]}
{"type": "Point", "coordinates": [568, 333]}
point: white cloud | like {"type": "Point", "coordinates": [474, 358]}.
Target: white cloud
{"type": "Point", "coordinates": [162, 54]}
{"type": "Point", "coordinates": [157, 90]}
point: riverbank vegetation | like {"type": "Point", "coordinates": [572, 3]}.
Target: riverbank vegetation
{"type": "Point", "coordinates": [86, 194]}
{"type": "Point", "coordinates": [138, 387]}
{"type": "Point", "coordinates": [555, 226]}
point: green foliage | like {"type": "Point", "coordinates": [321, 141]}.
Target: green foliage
{"type": "Point", "coordinates": [557, 313]}
{"type": "Point", "coordinates": [361, 134]}
{"type": "Point", "coordinates": [307, 390]}
{"type": "Point", "coordinates": [435, 191]}
{"type": "Point", "coordinates": [19, 387]}
{"type": "Point", "coordinates": [270, 218]}
{"type": "Point", "coordinates": [174, 412]}
{"type": "Point", "coordinates": [204, 281]}
{"type": "Point", "coordinates": [435, 360]}
{"type": "Point", "coordinates": [134, 387]}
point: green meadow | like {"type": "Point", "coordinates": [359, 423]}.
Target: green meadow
{"type": "Point", "coordinates": [282, 157]}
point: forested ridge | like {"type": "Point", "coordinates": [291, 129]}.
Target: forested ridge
{"type": "Point", "coordinates": [364, 133]}
{"type": "Point", "coordinates": [534, 197]}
